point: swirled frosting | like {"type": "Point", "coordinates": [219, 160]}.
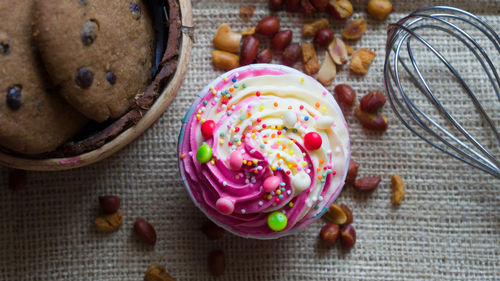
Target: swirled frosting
{"type": "Point", "coordinates": [259, 120]}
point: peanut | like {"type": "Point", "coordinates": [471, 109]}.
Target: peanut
{"type": "Point", "coordinates": [344, 95]}
{"type": "Point", "coordinates": [281, 40]}
{"type": "Point", "coordinates": [372, 101]}
{"type": "Point", "coordinates": [371, 121]}
{"type": "Point", "coordinates": [379, 9]}
{"type": "Point", "coordinates": [348, 213]}
{"type": "Point", "coordinates": [340, 9]}
{"type": "Point", "coordinates": [336, 214]}
{"type": "Point", "coordinates": [398, 189]}
{"type": "Point", "coordinates": [347, 236]}
{"type": "Point", "coordinates": [352, 172]}
{"type": "Point", "coordinates": [329, 233]}
{"type": "Point", "coordinates": [310, 29]}
{"type": "Point", "coordinates": [292, 5]}
{"type": "Point", "coordinates": [108, 223]}
{"type": "Point", "coordinates": [307, 8]}
{"type": "Point", "coordinates": [338, 51]}
{"type": "Point", "coordinates": [227, 40]}
{"type": "Point", "coordinates": [247, 11]}
{"type": "Point", "coordinates": [224, 60]}
{"type": "Point", "coordinates": [361, 60]}
{"type": "Point", "coordinates": [268, 26]}
{"type": "Point", "coordinates": [320, 5]}
{"type": "Point", "coordinates": [157, 272]}
{"type": "Point", "coordinates": [264, 56]}
{"type": "Point", "coordinates": [367, 184]}
{"type": "Point", "coordinates": [291, 54]}
{"type": "Point", "coordinates": [354, 29]}
{"type": "Point", "coordinates": [327, 72]}
{"type": "Point", "coordinates": [249, 50]}
{"type": "Point", "coordinates": [309, 59]}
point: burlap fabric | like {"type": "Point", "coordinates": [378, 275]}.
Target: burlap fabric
{"type": "Point", "coordinates": [448, 227]}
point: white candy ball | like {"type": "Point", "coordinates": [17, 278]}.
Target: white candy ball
{"type": "Point", "coordinates": [324, 122]}
{"type": "Point", "coordinates": [289, 119]}
{"type": "Point", "coordinates": [301, 182]}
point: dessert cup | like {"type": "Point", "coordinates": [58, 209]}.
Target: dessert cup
{"type": "Point", "coordinates": [264, 150]}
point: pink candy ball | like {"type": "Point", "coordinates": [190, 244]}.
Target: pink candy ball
{"type": "Point", "coordinates": [312, 141]}
{"type": "Point", "coordinates": [235, 160]}
{"type": "Point", "coordinates": [224, 206]}
{"type": "Point", "coordinates": [271, 183]}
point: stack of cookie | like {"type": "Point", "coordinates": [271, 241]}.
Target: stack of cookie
{"type": "Point", "coordinates": [63, 63]}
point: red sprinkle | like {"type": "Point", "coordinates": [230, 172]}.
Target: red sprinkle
{"type": "Point", "coordinates": [301, 107]}
{"type": "Point", "coordinates": [277, 200]}
{"type": "Point", "coordinates": [257, 93]}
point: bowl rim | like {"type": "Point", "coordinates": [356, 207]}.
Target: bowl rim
{"type": "Point", "coordinates": [159, 106]}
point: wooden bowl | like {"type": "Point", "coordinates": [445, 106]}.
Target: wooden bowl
{"type": "Point", "coordinates": [160, 104]}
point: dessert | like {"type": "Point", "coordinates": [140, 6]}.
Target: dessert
{"type": "Point", "coordinates": [33, 120]}
{"type": "Point", "coordinates": [101, 57]}
{"type": "Point", "coordinates": [264, 151]}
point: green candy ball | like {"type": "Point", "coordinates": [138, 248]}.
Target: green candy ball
{"type": "Point", "coordinates": [204, 153]}
{"type": "Point", "coordinates": [277, 221]}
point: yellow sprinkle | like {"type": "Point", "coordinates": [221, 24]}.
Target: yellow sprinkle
{"type": "Point", "coordinates": [278, 141]}
{"type": "Point", "coordinates": [225, 78]}
{"type": "Point", "coordinates": [280, 136]}
{"type": "Point", "coordinates": [290, 166]}
{"type": "Point", "coordinates": [323, 108]}
{"type": "Point", "coordinates": [278, 192]}
{"type": "Point", "coordinates": [211, 87]}
{"type": "Point", "coordinates": [212, 162]}
{"type": "Point", "coordinates": [199, 111]}
{"type": "Point", "coordinates": [302, 80]}
{"type": "Point", "coordinates": [238, 143]}
{"type": "Point", "coordinates": [290, 142]}
{"type": "Point", "coordinates": [280, 127]}
{"type": "Point", "coordinates": [232, 129]}
{"type": "Point", "coordinates": [290, 204]}
{"type": "Point", "coordinates": [253, 135]}
{"type": "Point", "coordinates": [303, 154]}
{"type": "Point", "coordinates": [221, 141]}
{"type": "Point", "coordinates": [291, 152]}
{"type": "Point", "coordinates": [203, 120]}
{"type": "Point", "coordinates": [241, 110]}
{"type": "Point", "coordinates": [269, 197]}
{"type": "Point", "coordinates": [255, 161]}
{"type": "Point", "coordinates": [304, 163]}
{"type": "Point", "coordinates": [244, 161]}
{"type": "Point", "coordinates": [214, 92]}
{"type": "Point", "coordinates": [261, 108]}
{"type": "Point", "coordinates": [273, 167]}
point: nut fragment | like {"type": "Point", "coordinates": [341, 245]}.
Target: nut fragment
{"type": "Point", "coordinates": [344, 95]}
{"type": "Point", "coordinates": [145, 231]}
{"type": "Point", "coordinates": [347, 236]}
{"type": "Point", "coordinates": [329, 233]}
{"type": "Point", "coordinates": [307, 8]}
{"type": "Point", "coordinates": [309, 59]}
{"type": "Point", "coordinates": [157, 272]}
{"type": "Point", "coordinates": [249, 31]}
{"type": "Point", "coordinates": [371, 121]}
{"type": "Point", "coordinates": [291, 54]}
{"type": "Point", "coordinates": [361, 60]}
{"type": "Point", "coordinates": [109, 222]}
{"type": "Point", "coordinates": [398, 189]}
{"type": "Point", "coordinates": [379, 9]}
{"type": "Point", "coordinates": [247, 11]}
{"type": "Point", "coordinates": [367, 184]}
{"type": "Point", "coordinates": [249, 50]}
{"type": "Point", "coordinates": [348, 213]}
{"type": "Point", "coordinates": [350, 50]}
{"type": "Point", "coordinates": [227, 40]}
{"type": "Point", "coordinates": [354, 29]}
{"type": "Point", "coordinates": [212, 231]}
{"type": "Point", "coordinates": [17, 179]}
{"type": "Point", "coordinates": [352, 172]}
{"type": "Point", "coordinates": [224, 60]}
{"type": "Point", "coordinates": [372, 101]}
{"type": "Point", "coordinates": [327, 72]}
{"type": "Point", "coordinates": [217, 262]}
{"type": "Point", "coordinates": [336, 214]}
{"type": "Point", "coordinates": [310, 29]}
{"type": "Point", "coordinates": [340, 9]}
{"type": "Point", "coordinates": [338, 51]}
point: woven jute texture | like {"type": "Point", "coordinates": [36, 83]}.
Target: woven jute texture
{"type": "Point", "coordinates": [448, 227]}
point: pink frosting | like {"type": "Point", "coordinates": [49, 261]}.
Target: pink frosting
{"type": "Point", "coordinates": [221, 190]}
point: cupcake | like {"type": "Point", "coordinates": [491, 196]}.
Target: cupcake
{"type": "Point", "coordinates": [264, 151]}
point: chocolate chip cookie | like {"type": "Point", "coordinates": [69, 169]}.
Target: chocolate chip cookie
{"type": "Point", "coordinates": [100, 53]}
{"type": "Point", "coordinates": [32, 120]}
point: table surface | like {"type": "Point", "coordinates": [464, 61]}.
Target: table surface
{"type": "Point", "coordinates": [447, 228]}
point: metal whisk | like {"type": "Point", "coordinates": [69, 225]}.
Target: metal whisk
{"type": "Point", "coordinates": [408, 81]}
